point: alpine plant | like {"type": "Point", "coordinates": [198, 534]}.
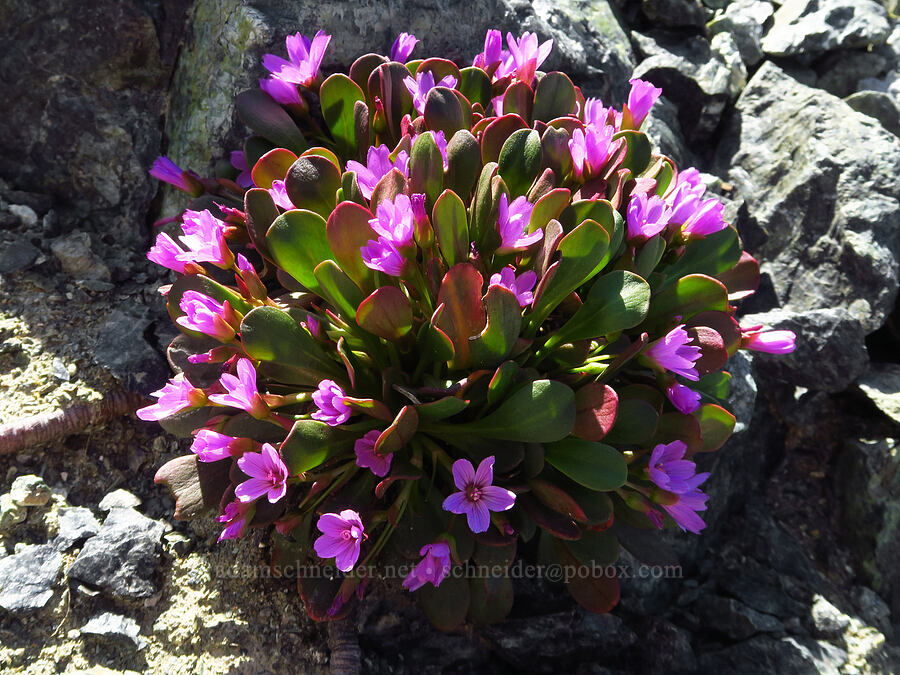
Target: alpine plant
{"type": "Point", "coordinates": [434, 312]}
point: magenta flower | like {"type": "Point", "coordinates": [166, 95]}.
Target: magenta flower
{"type": "Point", "coordinates": [683, 511]}
{"type": "Point", "coordinates": [770, 341]}
{"type": "Point", "coordinates": [165, 252]}
{"type": "Point", "coordinates": [166, 170]}
{"type": "Point", "coordinates": [640, 99]}
{"type": "Point", "coordinates": [241, 391]}
{"type": "Point", "coordinates": [684, 398]}
{"type": "Point", "coordinates": [204, 315]}
{"type": "Point", "coordinates": [305, 58]}
{"type": "Point", "coordinates": [268, 475]}
{"type": "Point", "coordinates": [493, 50]}
{"type": "Point", "coordinates": [403, 47]}
{"type": "Point", "coordinates": [422, 84]}
{"type": "Point", "coordinates": [673, 352]}
{"type": "Point", "coordinates": [433, 567]}
{"type": "Point", "coordinates": [378, 165]}
{"type": "Point", "coordinates": [596, 114]}
{"type": "Point", "coordinates": [330, 400]}
{"type": "Point", "coordinates": [527, 55]}
{"type": "Point", "coordinates": [689, 189]}
{"type": "Point", "coordinates": [521, 286]}
{"type": "Point", "coordinates": [395, 220]}
{"type": "Point", "coordinates": [211, 446]}
{"type": "Point", "coordinates": [382, 255]}
{"type": "Point", "coordinates": [477, 497]}
{"type": "Point", "coordinates": [281, 91]}
{"type": "Point", "coordinates": [366, 456]}
{"type": "Point", "coordinates": [280, 196]}
{"type": "Point", "coordinates": [342, 535]}
{"type": "Point", "coordinates": [706, 219]}
{"type": "Point", "coordinates": [590, 149]}
{"type": "Point", "coordinates": [236, 517]}
{"type": "Point", "coordinates": [239, 161]}
{"type": "Point", "coordinates": [670, 471]}
{"type": "Point", "coordinates": [647, 217]}
{"type": "Point", "coordinates": [512, 224]}
{"type": "Point", "coordinates": [204, 236]}
{"type": "Point", "coordinates": [178, 394]}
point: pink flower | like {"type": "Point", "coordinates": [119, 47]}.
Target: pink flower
{"type": "Point", "coordinates": [403, 47]}
{"type": "Point", "coordinates": [204, 315]}
{"type": "Point", "coordinates": [422, 84]}
{"type": "Point", "coordinates": [204, 237]}
{"type": "Point", "coordinates": [330, 399]}
{"type": "Point", "coordinates": [382, 255]}
{"type": "Point", "coordinates": [684, 398]}
{"type": "Point", "coordinates": [165, 252]}
{"type": "Point", "coordinates": [305, 58]}
{"type": "Point", "coordinates": [166, 170]}
{"type": "Point", "coordinates": [647, 217]}
{"type": "Point", "coordinates": [378, 165]}
{"type": "Point", "coordinates": [211, 446]}
{"type": "Point", "coordinates": [239, 161]}
{"type": "Point", "coordinates": [281, 91]}
{"type": "Point", "coordinates": [670, 471]}
{"type": "Point", "coordinates": [434, 566]}
{"type": "Point", "coordinates": [689, 189]}
{"type": "Point", "coordinates": [707, 218]}
{"type": "Point", "coordinates": [640, 99]}
{"type": "Point", "coordinates": [527, 55]}
{"type": "Point", "coordinates": [236, 517]}
{"type": "Point", "coordinates": [673, 352]}
{"type": "Point", "coordinates": [770, 341]}
{"type": "Point", "coordinates": [395, 225]}
{"type": "Point", "coordinates": [521, 286]}
{"type": "Point", "coordinates": [268, 475]}
{"type": "Point", "coordinates": [366, 456]}
{"type": "Point", "coordinates": [477, 497]}
{"type": "Point", "coordinates": [280, 196]}
{"type": "Point", "coordinates": [493, 50]}
{"type": "Point", "coordinates": [596, 115]}
{"type": "Point", "coordinates": [178, 394]}
{"type": "Point", "coordinates": [342, 535]}
{"type": "Point", "coordinates": [241, 391]}
{"type": "Point", "coordinates": [512, 224]}
{"type": "Point", "coordinates": [683, 510]}
{"type": "Point", "coordinates": [590, 149]}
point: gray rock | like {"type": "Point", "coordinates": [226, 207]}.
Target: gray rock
{"type": "Point", "coordinates": [666, 648]}
{"type": "Point", "coordinates": [664, 130]}
{"type": "Point", "coordinates": [878, 105]}
{"type": "Point", "coordinates": [28, 577]}
{"type": "Point", "coordinates": [121, 629]}
{"type": "Point", "coordinates": [16, 255]}
{"type": "Point", "coordinates": [763, 654]}
{"type": "Point", "coordinates": [808, 28]}
{"type": "Point", "coordinates": [693, 76]}
{"type": "Point", "coordinates": [122, 559]}
{"type": "Point", "coordinates": [26, 216]}
{"type": "Point", "coordinates": [675, 13]}
{"type": "Point", "coordinates": [119, 499]}
{"type": "Point", "coordinates": [734, 619]}
{"type": "Point", "coordinates": [841, 73]}
{"type": "Point", "coordinates": [76, 524]}
{"type": "Point", "coordinates": [745, 20]}
{"type": "Point", "coordinates": [30, 490]}
{"type": "Point", "coordinates": [760, 589]}
{"type": "Point", "coordinates": [743, 390]}
{"type": "Point", "coordinates": [122, 349]}
{"type": "Point", "coordinates": [77, 259]}
{"type": "Point", "coordinates": [726, 47]}
{"type": "Point", "coordinates": [872, 609]}
{"type": "Point", "coordinates": [828, 620]}
{"type": "Point", "coordinates": [822, 215]}
{"type": "Point", "coordinates": [11, 514]}
{"type": "Point", "coordinates": [882, 385]}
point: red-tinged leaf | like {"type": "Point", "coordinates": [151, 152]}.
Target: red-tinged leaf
{"type": "Point", "coordinates": [495, 135]}
{"type": "Point", "coordinates": [443, 111]}
{"type": "Point", "coordinates": [348, 231]}
{"type": "Point", "coordinates": [557, 499]}
{"type": "Point", "coordinates": [554, 97]}
{"type": "Point", "coordinates": [439, 68]}
{"type": "Point", "coordinates": [504, 321]}
{"type": "Point", "coordinates": [713, 354]}
{"type": "Point", "coordinates": [724, 324]}
{"type": "Point", "coordinates": [676, 426]}
{"type": "Point", "coordinates": [399, 433]}
{"type": "Point", "coordinates": [688, 296]}
{"type": "Point", "coordinates": [261, 212]}
{"type": "Point", "coordinates": [549, 207]}
{"type": "Point", "coordinates": [370, 407]}
{"type": "Point", "coordinates": [597, 591]}
{"type": "Point", "coordinates": [555, 150]}
{"type": "Point", "coordinates": [491, 599]}
{"type": "Point", "coordinates": [716, 426]}
{"type": "Point", "coordinates": [447, 605]}
{"type": "Point", "coordinates": [312, 183]}
{"type": "Point", "coordinates": [399, 471]}
{"type": "Point", "coordinates": [196, 486]}
{"type": "Point", "coordinates": [272, 166]}
{"type": "Point", "coordinates": [392, 184]}
{"type": "Point", "coordinates": [463, 315]}
{"type": "Point", "coordinates": [596, 406]}
{"type": "Point", "coordinates": [558, 525]}
{"type": "Point", "coordinates": [519, 99]}
{"type": "Point", "coordinates": [742, 280]}
{"type": "Point", "coordinates": [595, 548]}
{"type": "Point", "coordinates": [386, 313]}
{"type": "Point", "coordinates": [635, 424]}
{"type": "Point", "coordinates": [318, 595]}
{"type": "Point", "coordinates": [386, 83]}
{"type": "Point", "coordinates": [362, 68]}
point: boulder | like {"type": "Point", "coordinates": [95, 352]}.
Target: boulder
{"type": "Point", "coordinates": [878, 105]}
{"type": "Point", "coordinates": [746, 21]}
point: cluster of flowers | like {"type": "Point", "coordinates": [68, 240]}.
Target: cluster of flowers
{"type": "Point", "coordinates": [366, 377]}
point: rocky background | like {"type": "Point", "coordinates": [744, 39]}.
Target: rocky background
{"type": "Point", "coordinates": [793, 109]}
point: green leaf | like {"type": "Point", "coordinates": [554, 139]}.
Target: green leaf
{"type": "Point", "coordinates": [338, 289]}
{"type": "Point", "coordinates": [442, 408]}
{"type": "Point", "coordinates": [475, 85]}
{"type": "Point", "coordinates": [299, 242]}
{"type": "Point", "coordinates": [617, 301]}
{"type": "Point", "coordinates": [580, 252]}
{"type": "Point", "coordinates": [311, 442]}
{"type": "Point", "coordinates": [637, 157]}
{"type": "Point", "coordinates": [714, 254]}
{"type": "Point", "coordinates": [447, 605]}
{"type": "Point", "coordinates": [502, 381]}
{"type": "Point", "coordinates": [257, 110]}
{"type": "Point", "coordinates": [595, 548]}
{"type": "Point", "coordinates": [504, 321]}
{"type": "Point", "coordinates": [399, 433]}
{"type": "Point", "coordinates": [426, 168]}
{"type": "Point", "coordinates": [261, 212]}
{"type": "Point", "coordinates": [347, 232]}
{"type": "Point", "coordinates": [520, 161]}
{"type": "Point", "coordinates": [554, 97]}
{"type": "Point", "coordinates": [597, 593]}
{"type": "Point", "coordinates": [556, 498]}
{"type": "Point", "coordinates": [272, 166]}
{"type": "Point", "coordinates": [443, 111]}
{"type": "Point", "coordinates": [594, 465]}
{"type": "Point", "coordinates": [269, 334]}
{"type": "Point", "coordinates": [312, 183]}
{"type": "Point", "coordinates": [688, 296]}
{"type": "Point", "coordinates": [549, 207]}
{"type": "Point", "coordinates": [386, 82]}
{"type": "Point", "coordinates": [635, 422]}
{"type": "Point", "coordinates": [491, 598]}
{"type": "Point", "coordinates": [717, 385]}
{"type": "Point", "coordinates": [451, 228]}
{"type": "Point", "coordinates": [716, 426]}
{"type": "Point", "coordinates": [338, 95]}
{"type": "Point", "coordinates": [495, 135]}
{"type": "Point", "coordinates": [386, 313]}
{"type": "Point", "coordinates": [463, 316]}
{"type": "Point", "coordinates": [483, 208]}
{"type": "Point", "coordinates": [519, 99]}
{"type": "Point", "coordinates": [463, 163]}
